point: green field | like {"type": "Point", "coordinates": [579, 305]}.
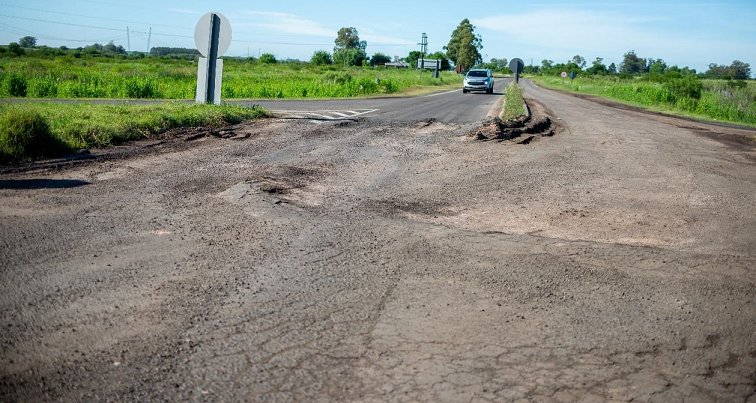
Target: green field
{"type": "Point", "coordinates": [103, 77]}
{"type": "Point", "coordinates": [723, 100]}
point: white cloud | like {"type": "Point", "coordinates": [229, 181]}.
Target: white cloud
{"type": "Point", "coordinates": [570, 29]}
{"type": "Point", "coordinates": [286, 23]}
{"type": "Point", "coordinates": [377, 39]}
{"type": "Point", "coordinates": [184, 11]}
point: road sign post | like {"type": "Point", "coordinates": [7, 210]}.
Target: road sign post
{"type": "Point", "coordinates": [430, 64]}
{"type": "Point", "coordinates": [212, 37]}
{"type": "Point", "coordinates": [517, 66]}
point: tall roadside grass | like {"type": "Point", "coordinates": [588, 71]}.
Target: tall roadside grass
{"type": "Point", "coordinates": [69, 77]}
{"type": "Point", "coordinates": [722, 100]}
{"type": "Point", "coordinates": [514, 104]}
{"type": "Point", "coordinates": [34, 130]}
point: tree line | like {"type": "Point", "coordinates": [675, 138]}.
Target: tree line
{"type": "Point", "coordinates": [633, 65]}
{"type": "Point", "coordinates": [461, 52]}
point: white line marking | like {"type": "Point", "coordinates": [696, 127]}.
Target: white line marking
{"type": "Point", "coordinates": [322, 114]}
{"type": "Point", "coordinates": [366, 111]}
{"type": "Point", "coordinates": [440, 93]}
{"type": "Point", "coordinates": [317, 115]}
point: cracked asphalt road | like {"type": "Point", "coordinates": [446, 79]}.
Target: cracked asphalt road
{"type": "Point", "coordinates": [389, 261]}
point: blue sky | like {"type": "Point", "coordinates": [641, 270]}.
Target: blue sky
{"type": "Point", "coordinates": [693, 33]}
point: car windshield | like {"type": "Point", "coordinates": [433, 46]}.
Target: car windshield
{"type": "Point", "coordinates": [477, 73]}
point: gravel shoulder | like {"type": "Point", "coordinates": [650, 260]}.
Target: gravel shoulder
{"type": "Point", "coordinates": [378, 260]}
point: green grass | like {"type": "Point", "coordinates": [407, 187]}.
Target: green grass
{"type": "Point", "coordinates": [720, 100]}
{"type": "Point", "coordinates": [513, 103]}
{"type": "Point", "coordinates": [102, 77]}
{"type": "Point", "coordinates": [49, 129]}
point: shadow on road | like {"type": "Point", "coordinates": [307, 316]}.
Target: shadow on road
{"type": "Point", "coordinates": [41, 183]}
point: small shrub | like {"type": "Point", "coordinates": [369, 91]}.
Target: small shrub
{"type": "Point", "coordinates": [25, 134]}
{"type": "Point", "coordinates": [268, 58]}
{"type": "Point", "coordinates": [15, 49]}
{"type": "Point", "coordinates": [17, 85]}
{"type": "Point", "coordinates": [137, 87]}
{"type": "Point", "coordinates": [513, 103]}
{"type": "Point", "coordinates": [389, 86]}
{"type": "Point", "coordinates": [685, 87]}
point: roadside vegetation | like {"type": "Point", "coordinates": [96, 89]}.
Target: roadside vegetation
{"type": "Point", "coordinates": [724, 100]}
{"type": "Point", "coordinates": [513, 103]}
{"type": "Point", "coordinates": [723, 92]}
{"type": "Point", "coordinates": [157, 78]}
{"type": "Point", "coordinates": [33, 130]}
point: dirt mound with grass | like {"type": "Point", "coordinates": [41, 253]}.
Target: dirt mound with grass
{"type": "Point", "coordinates": [537, 122]}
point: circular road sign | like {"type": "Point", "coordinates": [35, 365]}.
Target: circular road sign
{"type": "Point", "coordinates": [202, 34]}
{"type": "Point", "coordinates": [516, 65]}
{"type": "Point", "coordinates": [564, 74]}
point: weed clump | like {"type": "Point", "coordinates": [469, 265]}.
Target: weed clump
{"type": "Point", "coordinates": [513, 103]}
{"type": "Point", "coordinates": [26, 134]}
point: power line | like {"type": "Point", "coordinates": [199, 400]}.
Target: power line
{"type": "Point", "coordinates": [61, 23]}
{"type": "Point", "coordinates": [20, 31]}
{"type": "Point", "coordinates": [90, 17]}
{"type": "Point", "coordinates": [178, 35]}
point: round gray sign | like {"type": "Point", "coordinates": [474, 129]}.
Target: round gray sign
{"type": "Point", "coordinates": [516, 65]}
{"type": "Point", "coordinates": [202, 34]}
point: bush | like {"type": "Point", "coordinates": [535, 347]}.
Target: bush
{"type": "Point", "coordinates": [685, 87]}
{"type": "Point", "coordinates": [15, 49]}
{"type": "Point", "coordinates": [16, 85]}
{"type": "Point", "coordinates": [321, 57]}
{"type": "Point", "coordinates": [268, 58]}
{"type": "Point", "coordinates": [137, 87]}
{"type": "Point", "coordinates": [25, 134]}
{"type": "Point", "coordinates": [513, 103]}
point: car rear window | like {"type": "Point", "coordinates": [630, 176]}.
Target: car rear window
{"type": "Point", "coordinates": [478, 73]}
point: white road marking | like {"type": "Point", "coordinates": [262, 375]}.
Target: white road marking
{"type": "Point", "coordinates": [323, 115]}
{"type": "Point", "coordinates": [441, 93]}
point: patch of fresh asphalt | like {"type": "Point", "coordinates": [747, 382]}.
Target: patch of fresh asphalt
{"type": "Point", "coordinates": [388, 261]}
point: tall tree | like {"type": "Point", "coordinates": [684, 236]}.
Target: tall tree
{"type": "Point", "coordinates": [379, 59]}
{"type": "Point", "coordinates": [737, 70]}
{"type": "Point", "coordinates": [579, 61]}
{"type": "Point", "coordinates": [464, 46]}
{"type": "Point", "coordinates": [656, 66]}
{"type": "Point", "coordinates": [632, 64]}
{"type": "Point", "coordinates": [349, 49]}
{"type": "Point", "coordinates": [28, 42]}
{"type": "Point", "coordinates": [740, 70]}
{"type": "Point", "coordinates": [440, 56]}
{"type": "Point", "coordinates": [413, 57]}
{"type": "Point", "coordinates": [597, 67]}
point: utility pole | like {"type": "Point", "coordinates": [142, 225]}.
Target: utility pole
{"type": "Point", "coordinates": [149, 38]}
{"type": "Point", "coordinates": [128, 38]}
{"type": "Point", "coordinates": [423, 49]}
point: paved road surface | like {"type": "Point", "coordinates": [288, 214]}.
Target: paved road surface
{"type": "Point", "coordinates": [451, 106]}
{"type": "Point", "coordinates": [383, 260]}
